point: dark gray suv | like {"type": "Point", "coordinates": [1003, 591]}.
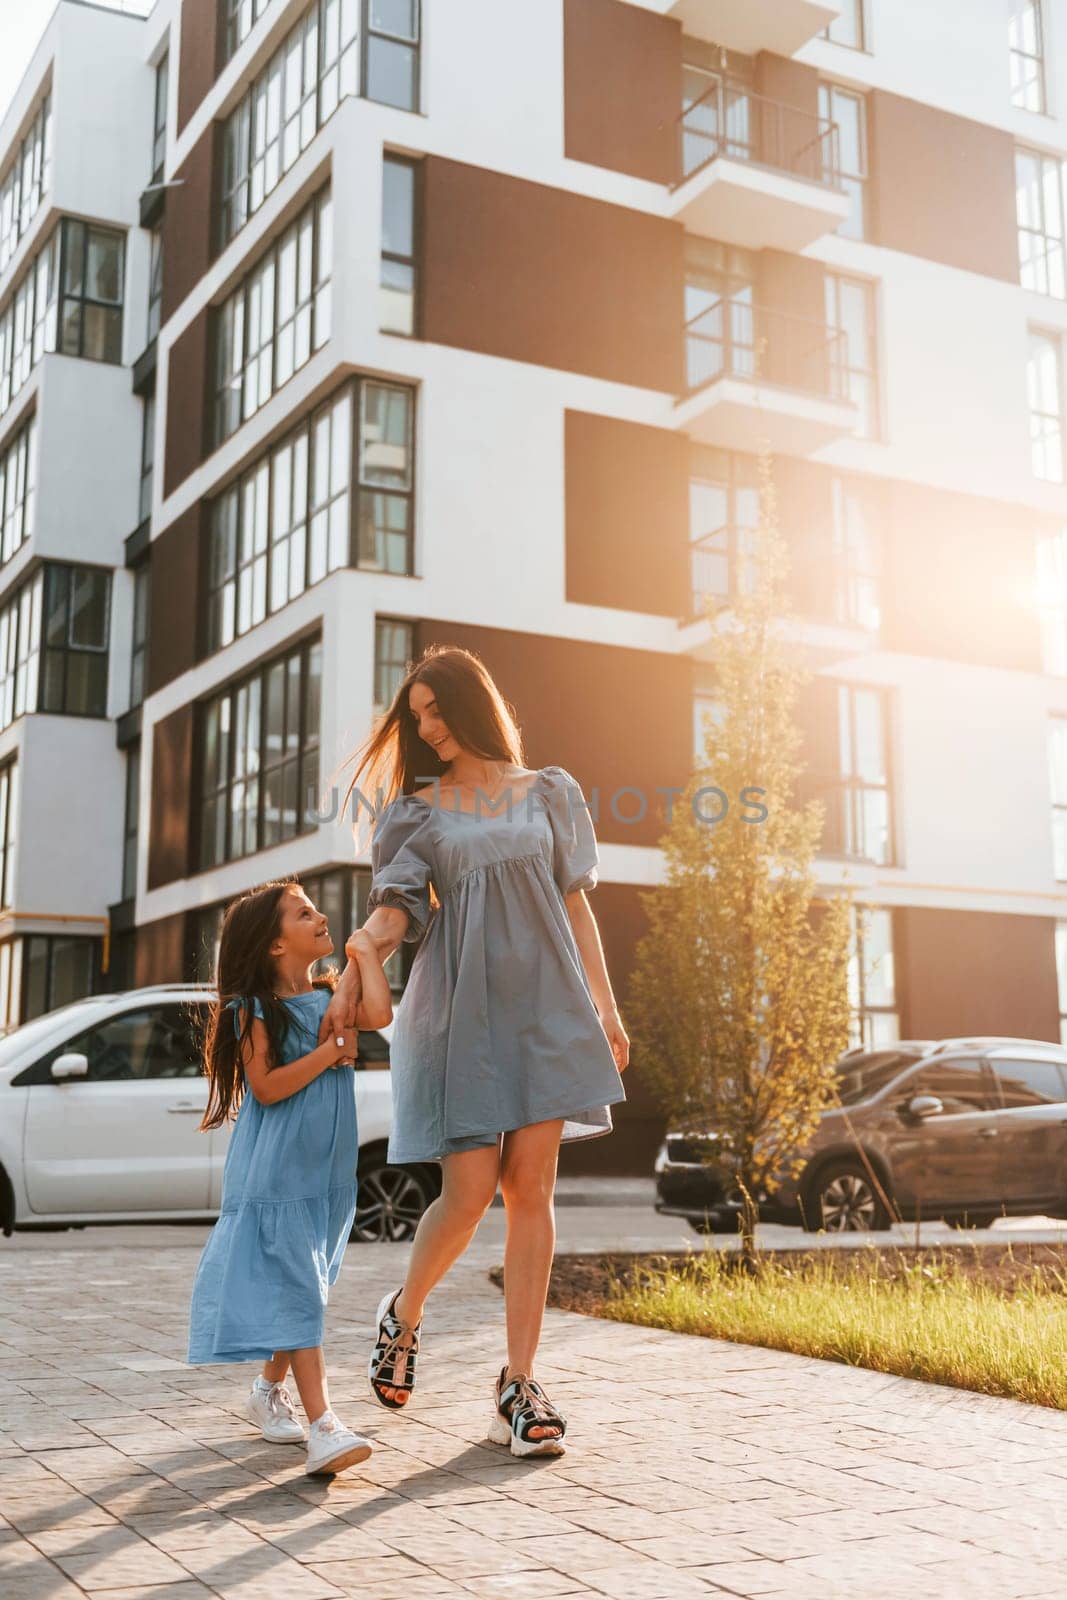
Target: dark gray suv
{"type": "Point", "coordinates": [964, 1129]}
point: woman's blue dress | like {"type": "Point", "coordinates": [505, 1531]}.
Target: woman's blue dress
{"type": "Point", "coordinates": [496, 1028]}
{"type": "Point", "coordinates": [288, 1203]}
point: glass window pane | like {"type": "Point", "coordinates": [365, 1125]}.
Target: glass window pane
{"type": "Point", "coordinates": [391, 72]}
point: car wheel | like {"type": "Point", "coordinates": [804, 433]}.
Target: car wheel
{"type": "Point", "coordinates": [842, 1199]}
{"type": "Point", "coordinates": [389, 1202]}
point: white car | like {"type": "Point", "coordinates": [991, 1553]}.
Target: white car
{"type": "Point", "coordinates": [100, 1110]}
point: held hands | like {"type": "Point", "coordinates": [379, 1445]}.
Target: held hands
{"type": "Point", "coordinates": [617, 1037]}
{"type": "Point", "coordinates": [340, 1014]}
{"type": "Point", "coordinates": [346, 1043]}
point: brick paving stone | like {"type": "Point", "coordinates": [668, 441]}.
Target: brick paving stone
{"type": "Point", "coordinates": [126, 1475]}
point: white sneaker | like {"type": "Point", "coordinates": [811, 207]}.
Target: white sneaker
{"type": "Point", "coordinates": [270, 1407]}
{"type": "Point", "coordinates": [333, 1447]}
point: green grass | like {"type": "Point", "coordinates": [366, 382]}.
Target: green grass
{"type": "Point", "coordinates": [929, 1319]}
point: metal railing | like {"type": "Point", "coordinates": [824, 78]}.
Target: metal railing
{"type": "Point", "coordinates": [720, 564]}
{"type": "Point", "coordinates": [732, 338]}
{"type": "Point", "coordinates": [729, 120]}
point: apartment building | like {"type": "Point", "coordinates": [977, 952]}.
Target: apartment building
{"type": "Point", "coordinates": [333, 328]}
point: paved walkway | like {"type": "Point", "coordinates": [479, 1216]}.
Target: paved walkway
{"type": "Point", "coordinates": [695, 1468]}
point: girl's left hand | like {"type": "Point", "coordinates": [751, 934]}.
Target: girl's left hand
{"type": "Point", "coordinates": [617, 1037]}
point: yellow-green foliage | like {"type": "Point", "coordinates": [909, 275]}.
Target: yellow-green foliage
{"type": "Point", "coordinates": [739, 1000]}
{"type": "Point", "coordinates": [933, 1322]}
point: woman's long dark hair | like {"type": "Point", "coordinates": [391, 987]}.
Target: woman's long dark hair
{"type": "Point", "coordinates": [246, 972]}
{"type": "Point", "coordinates": [479, 718]}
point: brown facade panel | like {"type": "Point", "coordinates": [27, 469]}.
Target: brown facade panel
{"type": "Point", "coordinates": [171, 804]}
{"type": "Point", "coordinates": [942, 187]}
{"type": "Point", "coordinates": [791, 320]}
{"type": "Point", "coordinates": [789, 83]}
{"type": "Point", "coordinates": [187, 381]}
{"type": "Point", "coordinates": [622, 88]}
{"type": "Point", "coordinates": [959, 570]}
{"type": "Point", "coordinates": [187, 224]}
{"type": "Point", "coordinates": [531, 273]}
{"type": "Point", "coordinates": [161, 952]}
{"type": "Point", "coordinates": [199, 54]}
{"type": "Point", "coordinates": [174, 594]}
{"type": "Point", "coordinates": [614, 718]}
{"type": "Point", "coordinates": [975, 972]}
{"type": "Point", "coordinates": [627, 509]}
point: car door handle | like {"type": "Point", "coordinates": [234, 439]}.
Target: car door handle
{"type": "Point", "coordinates": [186, 1108]}
{"type": "Point", "coordinates": [987, 1133]}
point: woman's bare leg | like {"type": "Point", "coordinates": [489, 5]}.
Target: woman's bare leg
{"type": "Point", "coordinates": [528, 1182]}
{"type": "Point", "coordinates": [445, 1230]}
{"type": "Point", "coordinates": [276, 1369]}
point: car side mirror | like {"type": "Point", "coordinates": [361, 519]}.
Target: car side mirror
{"type": "Point", "coordinates": [71, 1065]}
{"type": "Point", "coordinates": [921, 1106]}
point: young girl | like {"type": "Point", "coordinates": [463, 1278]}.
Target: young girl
{"type": "Point", "coordinates": [289, 1183]}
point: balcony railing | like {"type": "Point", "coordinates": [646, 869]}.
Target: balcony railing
{"type": "Point", "coordinates": [729, 120]}
{"type": "Point", "coordinates": [732, 338]}
{"type": "Point", "coordinates": [722, 564]}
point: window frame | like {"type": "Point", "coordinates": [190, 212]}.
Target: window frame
{"type": "Point", "coordinates": [131, 820]}
{"type": "Point", "coordinates": [854, 184]}
{"type": "Point", "coordinates": [81, 298]}
{"type": "Point", "coordinates": [159, 118]}
{"type": "Point", "coordinates": [9, 813]}
{"type": "Point", "coordinates": [384, 664]}
{"type": "Point", "coordinates": [864, 29]}
{"type": "Point", "coordinates": [1040, 436]}
{"type": "Point", "coordinates": [834, 282]}
{"type": "Point", "coordinates": [864, 1012]}
{"type": "Point", "coordinates": [1047, 254]}
{"type": "Point", "coordinates": [220, 793]}
{"type": "Point", "coordinates": [1040, 58]}
{"type": "Point", "coordinates": [142, 589]}
{"type": "Point", "coordinates": [68, 652]}
{"type": "Point", "coordinates": [18, 468]}
{"type": "Point", "coordinates": [17, 211]}
{"type": "Point", "coordinates": [391, 158]}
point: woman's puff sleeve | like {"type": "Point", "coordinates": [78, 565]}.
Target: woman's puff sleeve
{"type": "Point", "coordinates": [575, 855]}
{"type": "Point", "coordinates": [400, 864]}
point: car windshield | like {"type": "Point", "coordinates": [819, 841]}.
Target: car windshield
{"type": "Point", "coordinates": [861, 1076]}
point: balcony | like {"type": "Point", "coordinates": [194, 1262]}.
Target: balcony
{"type": "Point", "coordinates": [752, 25]}
{"type": "Point", "coordinates": [757, 375]}
{"type": "Point", "coordinates": [756, 172]}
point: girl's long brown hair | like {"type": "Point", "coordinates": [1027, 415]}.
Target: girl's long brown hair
{"type": "Point", "coordinates": [397, 761]}
{"type": "Point", "coordinates": [246, 972]}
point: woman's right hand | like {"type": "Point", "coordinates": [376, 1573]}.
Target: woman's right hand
{"type": "Point", "coordinates": [346, 1045]}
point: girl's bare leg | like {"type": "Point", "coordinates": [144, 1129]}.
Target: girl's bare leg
{"type": "Point", "coordinates": [276, 1369]}
{"type": "Point", "coordinates": [528, 1182]}
{"type": "Point", "coordinates": [445, 1230]}
{"type": "Point", "coordinates": [309, 1375]}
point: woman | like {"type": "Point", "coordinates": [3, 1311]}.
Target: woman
{"type": "Point", "coordinates": [507, 1040]}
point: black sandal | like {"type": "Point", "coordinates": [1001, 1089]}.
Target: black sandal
{"type": "Point", "coordinates": [389, 1352]}
{"type": "Point", "coordinates": [521, 1406]}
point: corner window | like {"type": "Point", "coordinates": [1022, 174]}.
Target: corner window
{"type": "Point", "coordinates": [397, 298]}
{"type": "Point", "coordinates": [26, 181]}
{"type": "Point", "coordinates": [394, 649]}
{"type": "Point", "coordinates": [90, 306]}
{"type": "Point", "coordinates": [1039, 214]}
{"type": "Point", "coordinates": [276, 319]}
{"type": "Point", "coordinates": [74, 640]}
{"type": "Point", "coordinates": [848, 110]}
{"type": "Point", "coordinates": [1026, 55]}
{"type": "Point", "coordinates": [259, 757]}
{"type": "Point", "coordinates": [337, 48]}
{"type": "Point", "coordinates": [18, 482]}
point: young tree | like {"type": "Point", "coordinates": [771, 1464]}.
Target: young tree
{"type": "Point", "coordinates": [739, 997]}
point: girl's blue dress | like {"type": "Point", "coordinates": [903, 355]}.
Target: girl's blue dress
{"type": "Point", "coordinates": [288, 1203]}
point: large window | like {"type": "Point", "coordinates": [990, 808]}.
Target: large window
{"type": "Point", "coordinates": [56, 969]}
{"type": "Point", "coordinates": [394, 649]}
{"type": "Point", "coordinates": [848, 109]}
{"type": "Point", "coordinates": [847, 767]}
{"type": "Point", "coordinates": [398, 279]}
{"type": "Point", "coordinates": [1057, 766]}
{"type": "Point", "coordinates": [1026, 54]}
{"type": "Point", "coordinates": [1044, 389]}
{"type": "Point", "coordinates": [275, 320]}
{"type": "Point", "coordinates": [26, 181]}
{"type": "Point", "coordinates": [239, 17]}
{"type": "Point", "coordinates": [28, 326]}
{"type": "Point", "coordinates": [874, 1021]}
{"type": "Point", "coordinates": [724, 515]}
{"type": "Point", "coordinates": [9, 785]}
{"type": "Point", "coordinates": [53, 644]}
{"type": "Point", "coordinates": [159, 119]}
{"type": "Point", "coordinates": [90, 307]}
{"type": "Point", "coordinates": [338, 48]}
{"type": "Point", "coordinates": [301, 511]}
{"type": "Point", "coordinates": [857, 553]}
{"type": "Point", "coordinates": [850, 310]}
{"type": "Point", "coordinates": [259, 757]}
{"type": "Point", "coordinates": [1039, 210]}
{"type": "Point", "coordinates": [850, 28]}
{"type": "Point", "coordinates": [18, 476]}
